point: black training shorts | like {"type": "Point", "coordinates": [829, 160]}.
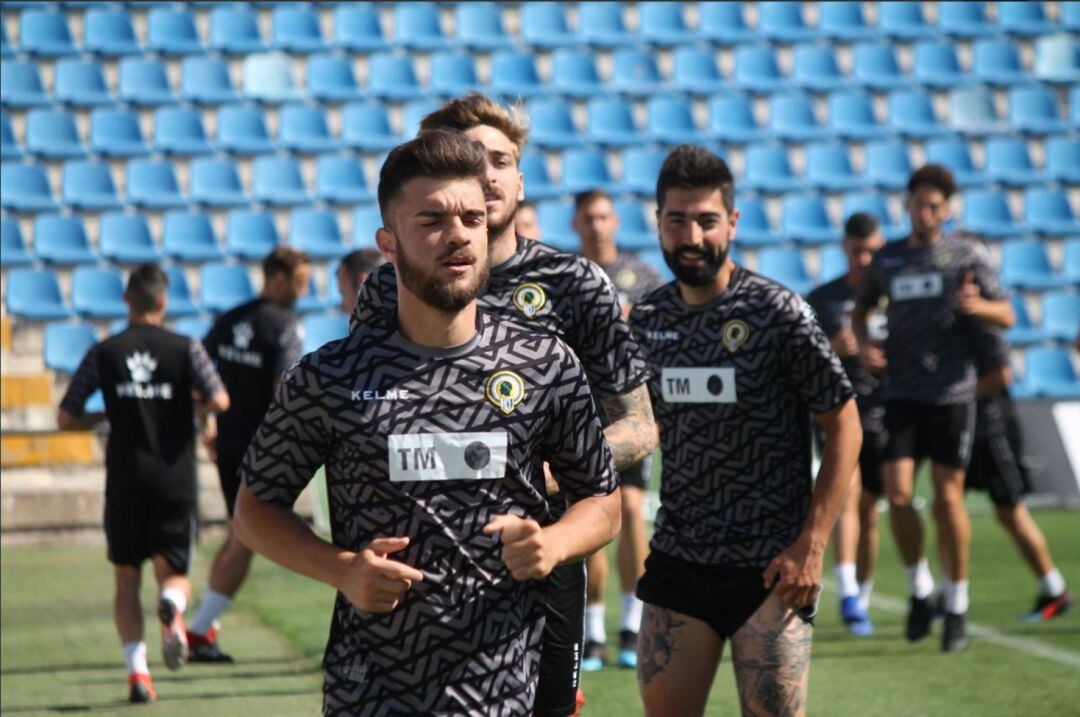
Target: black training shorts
{"type": "Point", "coordinates": [942, 432]}
{"type": "Point", "coordinates": [996, 468]}
{"type": "Point", "coordinates": [139, 528]}
{"type": "Point", "coordinates": [228, 465]}
{"type": "Point", "coordinates": [564, 633]}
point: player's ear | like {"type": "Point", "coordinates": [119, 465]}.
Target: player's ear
{"type": "Point", "coordinates": [386, 240]}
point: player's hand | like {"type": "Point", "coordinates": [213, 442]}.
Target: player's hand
{"type": "Point", "coordinates": [374, 582]}
{"type": "Point", "coordinates": [550, 483]}
{"type": "Point", "coordinates": [526, 551]}
{"type": "Point", "coordinates": [795, 574]}
{"type": "Point", "coordinates": [209, 441]}
{"type": "Point", "coordinates": [872, 358]}
{"type": "Point", "coordinates": [844, 344]}
{"type": "Point", "coordinates": [969, 299]}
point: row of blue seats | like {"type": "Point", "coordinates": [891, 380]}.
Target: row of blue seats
{"type": "Point", "coordinates": [479, 26]}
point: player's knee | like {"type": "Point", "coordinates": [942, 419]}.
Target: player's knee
{"type": "Point", "coordinates": [1006, 516]}
{"type": "Point", "coordinates": [900, 497]}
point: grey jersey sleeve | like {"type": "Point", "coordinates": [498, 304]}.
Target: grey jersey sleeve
{"type": "Point", "coordinates": [809, 364]}
{"type": "Point", "coordinates": [204, 377]}
{"type": "Point", "coordinates": [85, 381]}
{"type": "Point", "coordinates": [985, 276]}
{"type": "Point", "coordinates": [290, 346]}
{"type": "Point", "coordinates": [376, 303]}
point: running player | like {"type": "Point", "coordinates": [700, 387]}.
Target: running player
{"type": "Point", "coordinates": [856, 537]}
{"type": "Point", "coordinates": [562, 295]}
{"type": "Point", "coordinates": [940, 291]}
{"type": "Point", "coordinates": [252, 345]}
{"type": "Point", "coordinates": [738, 364]}
{"type": "Point", "coordinates": [351, 273]}
{"type": "Point", "coordinates": [434, 430]}
{"type": "Point", "coordinates": [596, 223]}
{"type": "Point", "coordinates": [147, 375]}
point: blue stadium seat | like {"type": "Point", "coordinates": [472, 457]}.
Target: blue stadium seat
{"type": "Point", "coordinates": [1071, 264]}
{"type": "Point", "coordinates": [312, 301]}
{"type": "Point", "coordinates": [413, 113]}
{"type": "Point", "coordinates": [126, 239]}
{"type": "Point", "coordinates": [1026, 265]}
{"type": "Point", "coordinates": [179, 130]}
{"type": "Point", "coordinates": [1024, 332]}
{"type": "Point", "coordinates": [151, 184]}
{"type": "Point", "coordinates": [206, 81]}
{"type": "Point", "coordinates": [9, 145]}
{"type": "Point", "coordinates": [888, 164]}
{"type": "Point", "coordinates": [911, 114]}
{"type": "Point", "coordinates": [88, 185]}
{"type": "Point", "coordinates": [634, 72]}
{"type": "Point", "coordinates": [81, 83]}
{"type": "Point", "coordinates": [833, 264]}
{"type": "Point", "coordinates": [116, 133]}
{"type": "Point", "coordinates": [6, 48]}
{"type": "Point", "coordinates": [829, 168]}
{"type": "Point", "coordinates": [1074, 107]}
{"type": "Point", "coordinates": [316, 232]}
{"type": "Point", "coordinates": [366, 221]}
{"type": "Point", "coordinates": [538, 184]}
{"type": "Point", "coordinates": [851, 116]}
{"type": "Point", "coordinates": [278, 181]}
{"type": "Point", "coordinates": [754, 225]}
{"type": "Point", "coordinates": [936, 65]}
{"type": "Point", "coordinates": [1047, 211]}
{"type": "Point", "coordinates": [330, 78]}
{"type": "Point", "coordinates": [987, 212]}
{"type": "Point", "coordinates": [791, 117]}
{"type": "Point", "coordinates": [574, 73]}
{"type": "Point", "coordinates": [20, 84]}
{"type": "Point", "coordinates": [321, 330]}
{"type": "Point", "coordinates": [180, 301]}
{"type": "Point", "coordinates": [585, 169]}
{"type": "Point", "coordinates": [1023, 18]}
{"type": "Point", "coordinates": [62, 240]}
{"type": "Point", "coordinates": [452, 74]}
{"type": "Point", "coordinates": [601, 24]}
{"type": "Point", "coordinates": [296, 29]}
{"type": "Point", "coordinates": [843, 21]}
{"type": "Point", "coordinates": [234, 30]}
{"type": "Point", "coordinates": [144, 82]}
{"type": "Point", "coordinates": [814, 68]}
{"type": "Point", "coordinates": [1061, 315]}
{"type": "Point", "coordinates": [250, 234]}
{"type": "Point", "coordinates": [45, 33]}
{"type": "Point", "coordinates": [903, 20]}
{"type": "Point", "coordinates": [768, 169]}
{"type": "Point", "coordinates": [641, 166]}
{"type": "Point", "coordinates": [357, 28]}
{"type": "Point", "coordinates": [479, 27]}
{"type": "Point", "coordinates": [194, 327]}
{"type": "Point", "coordinates": [109, 33]}
{"type": "Point", "coordinates": [696, 71]}
{"type": "Point", "coordinates": [1057, 59]}
{"type": "Point", "coordinates": [224, 286]}
{"type": "Point", "coordinates": [805, 219]}
{"type": "Point", "coordinates": [634, 232]}
{"type": "Point", "coordinates": [339, 179]}
{"type": "Point", "coordinates": [513, 75]}
{"type": "Point", "coordinates": [655, 257]}
{"type": "Point", "coordinates": [955, 155]}
{"type": "Point", "coordinates": [1062, 159]}
{"type": "Point", "coordinates": [964, 19]}
{"type": "Point", "coordinates": [172, 31]}
{"type": "Point", "coordinates": [1049, 372]}
{"type": "Point", "coordinates": [786, 267]}
{"type": "Point", "coordinates": [416, 27]}
{"type": "Point", "coordinates": [1034, 110]}
{"type": "Point", "coordinates": [875, 66]}
{"type": "Point", "coordinates": [662, 23]}
{"type": "Point", "coordinates": [303, 128]}
{"type": "Point", "coordinates": [53, 134]}
{"type": "Point", "coordinates": [1008, 162]}
{"type": "Point", "coordinates": [1070, 16]}
{"type": "Point", "coordinates": [724, 22]}
{"type": "Point", "coordinates": [555, 219]}
{"type": "Point", "coordinates": [242, 130]}
{"type": "Point", "coordinates": [98, 293]}
{"type": "Point", "coordinates": [13, 251]}
{"type": "Point", "coordinates": [543, 26]}
{"type": "Point", "coordinates": [189, 236]}
{"type": "Point", "coordinates": [874, 203]}
{"type": "Point", "coordinates": [731, 119]}
{"type": "Point", "coordinates": [66, 345]}
{"type": "Point", "coordinates": [366, 126]}
{"type": "Point", "coordinates": [392, 78]}
{"type": "Point", "coordinates": [972, 112]}
{"type": "Point", "coordinates": [35, 294]}
{"type": "Point", "coordinates": [757, 70]}
{"type": "Point", "coordinates": [268, 78]}
{"type": "Point", "coordinates": [25, 188]}
{"type": "Point", "coordinates": [216, 183]}
{"type": "Point", "coordinates": [997, 62]}
{"type": "Point", "coordinates": [671, 121]}
{"type": "Point", "coordinates": [611, 122]}
{"type": "Point", "coordinates": [783, 22]}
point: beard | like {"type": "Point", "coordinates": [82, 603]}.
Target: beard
{"type": "Point", "coordinates": [441, 294]}
{"type": "Point", "coordinates": [697, 275]}
{"type": "Point", "coordinates": [496, 228]}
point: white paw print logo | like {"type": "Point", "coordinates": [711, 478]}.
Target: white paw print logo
{"type": "Point", "coordinates": [142, 366]}
{"type": "Point", "coordinates": [242, 334]}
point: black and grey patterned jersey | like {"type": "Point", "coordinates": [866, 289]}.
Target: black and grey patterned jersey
{"type": "Point", "coordinates": [931, 347]}
{"type": "Point", "coordinates": [632, 277]}
{"type": "Point", "coordinates": [431, 444]}
{"type": "Point", "coordinates": [992, 413]}
{"type": "Point", "coordinates": [733, 384]}
{"type": "Point", "coordinates": [833, 303]}
{"type": "Point", "coordinates": [545, 290]}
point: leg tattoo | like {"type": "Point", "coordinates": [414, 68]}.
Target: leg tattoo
{"type": "Point", "coordinates": [771, 653]}
{"type": "Point", "coordinates": [656, 642]}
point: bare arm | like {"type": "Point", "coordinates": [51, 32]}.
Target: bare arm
{"type": "Point", "coordinates": [989, 311]}
{"type": "Point", "coordinates": [632, 433]}
{"type": "Point", "coordinates": [993, 381]}
{"type": "Point", "coordinates": [70, 422]}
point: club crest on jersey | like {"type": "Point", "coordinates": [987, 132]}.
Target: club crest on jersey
{"type": "Point", "coordinates": [529, 299]}
{"type": "Point", "coordinates": [506, 390]}
{"type": "Point", "coordinates": [734, 334]}
{"type": "Point", "coordinates": [626, 279]}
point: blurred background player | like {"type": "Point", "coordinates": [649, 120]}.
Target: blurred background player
{"type": "Point", "coordinates": [252, 346]}
{"type": "Point", "coordinates": [856, 536]}
{"type": "Point", "coordinates": [351, 272]}
{"type": "Point", "coordinates": [596, 223]}
{"type": "Point", "coordinates": [526, 223]}
{"type": "Point", "coordinates": [148, 376]}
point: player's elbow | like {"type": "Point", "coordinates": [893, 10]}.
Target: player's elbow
{"type": "Point", "coordinates": [842, 425]}
{"type": "Point", "coordinates": [65, 421]}
{"type": "Point", "coordinates": [219, 402]}
{"type": "Point", "coordinates": [612, 515]}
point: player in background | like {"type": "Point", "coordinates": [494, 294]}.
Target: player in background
{"type": "Point", "coordinates": [252, 346]}
{"type": "Point", "coordinates": [941, 292]}
{"type": "Point", "coordinates": [596, 224]}
{"type": "Point", "coordinates": [526, 223]}
{"type": "Point", "coordinates": [434, 430]}
{"type": "Point", "coordinates": [148, 376]}
{"type": "Point", "coordinates": [738, 365]}
{"type": "Point", "coordinates": [351, 273]}
{"type": "Point", "coordinates": [856, 536]}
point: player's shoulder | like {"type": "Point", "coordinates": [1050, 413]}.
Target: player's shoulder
{"type": "Point", "coordinates": [967, 245]}
{"type": "Point", "coordinates": [663, 296]}
{"type": "Point", "coordinates": [499, 330]}
{"type": "Point", "coordinates": [760, 293]}
{"type": "Point", "coordinates": [828, 291]}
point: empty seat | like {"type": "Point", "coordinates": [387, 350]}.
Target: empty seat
{"type": "Point", "coordinates": [417, 27]}
{"type": "Point", "coordinates": [828, 167]}
{"type": "Point", "coordinates": [413, 114]}
{"type": "Point", "coordinates": [126, 239]}
{"type": "Point", "coordinates": [215, 182]}
{"type": "Point", "coordinates": [9, 146]}
{"type": "Point", "coordinates": [25, 188]}
{"type": "Point", "coordinates": [601, 24]}
{"type": "Point", "coordinates": [250, 234]}
{"type": "Point", "coordinates": [791, 117]}
{"type": "Point", "coordinates": [144, 82]}
{"type": "Point", "coordinates": [316, 232]}
{"type": "Point", "coordinates": [206, 81]}
{"type": "Point", "coordinates": [671, 121]}
{"type": "Point", "coordinates": [964, 19]}
{"type": "Point", "coordinates": [116, 133]}
{"type": "Point", "coordinates": [35, 294]}
{"type": "Point", "coordinates": [972, 111]}
{"type": "Point", "coordinates": [180, 301]}
{"type": "Point", "coordinates": [1074, 107]}
{"type": "Point", "coordinates": [757, 70]}
{"type": "Point", "coordinates": [662, 23]}
{"type": "Point", "coordinates": [805, 219]}
{"type": "Point", "coordinates": [997, 62]}
{"type": "Point", "coordinates": [62, 240]}
{"type": "Point", "coordinates": [814, 67]}
{"type": "Point", "coordinates": [189, 236]}
{"type": "Point", "coordinates": [152, 184]}
{"type": "Point", "coordinates": [514, 74]}
{"type": "Point", "coordinates": [754, 225]}
{"type": "Point", "coordinates": [634, 72]}
{"type": "Point", "coordinates": [1024, 332]}
{"type": "Point", "coordinates": [89, 185]}
{"type": "Point", "coordinates": [1070, 17]}
{"type": "Point", "coordinates": [268, 77]}
{"type": "Point", "coordinates": [875, 66]}
{"type": "Point", "coordinates": [936, 65]}
{"type": "Point", "coordinates": [277, 180]}
{"type": "Point", "coordinates": [767, 169]}
{"type": "Point", "coordinates": [20, 84]}
{"type": "Point", "coordinates": [13, 251]}
{"type": "Point", "coordinates": [66, 345]}
{"type": "Point", "coordinates": [634, 232]}
{"type": "Point", "coordinates": [172, 31]}
{"type": "Point", "coordinates": [552, 125]}
{"type": "Point", "coordinates": [911, 113]}
{"type": "Point", "coordinates": [585, 169]}
{"type": "Point", "coordinates": [1008, 162]}
{"type": "Point", "coordinates": [640, 166]}
{"type": "Point", "coordinates": [611, 123]}
{"type": "Point", "coordinates": [330, 78]}
{"type": "Point", "coordinates": [1026, 265]}
{"type": "Point", "coordinates": [851, 116]}
{"type": "Point", "coordinates": [340, 179]}
{"type": "Point", "coordinates": [731, 119]}
{"type": "Point", "coordinates": [843, 21]}
{"type": "Point", "coordinates": [6, 49]}
{"type": "Point", "coordinates": [45, 33]}
{"type": "Point", "coordinates": [1061, 315]}
{"type": "Point", "coordinates": [574, 73]}
{"type": "Point", "coordinates": [833, 264]}
{"type": "Point", "coordinates": [179, 130]}
{"type": "Point", "coordinates": [874, 204]}
{"type": "Point", "coordinates": [955, 155]}
{"type": "Point", "coordinates": [1023, 18]}
{"type": "Point", "coordinates": [81, 83]}
{"type": "Point", "coordinates": [296, 29]}
{"type": "Point", "coordinates": [903, 20]}
{"type": "Point", "coordinates": [1047, 211]}
{"type": "Point", "coordinates": [366, 221]}
{"type": "Point", "coordinates": [543, 26]}
{"type": "Point", "coordinates": [556, 223]}
{"type": "Point", "coordinates": [1034, 110]}
{"type": "Point", "coordinates": [783, 22]}
{"type": "Point", "coordinates": [1057, 59]}
{"type": "Point", "coordinates": [224, 286]}
{"type": "Point", "coordinates": [479, 26]}
{"type": "Point", "coordinates": [357, 27]}
{"type": "Point", "coordinates": [98, 293]}
{"type": "Point", "coordinates": [888, 164]}
{"type": "Point", "coordinates": [53, 134]}
{"type": "Point", "coordinates": [1049, 372]}
{"type": "Point", "coordinates": [987, 212]}
{"type": "Point", "coordinates": [786, 267]}
{"type": "Point", "coordinates": [321, 330]}
{"type": "Point", "coordinates": [1062, 159]}
{"type": "Point", "coordinates": [696, 71]}
{"type": "Point", "coordinates": [452, 74]}
{"type": "Point", "coordinates": [1071, 263]}
{"type": "Point", "coordinates": [194, 327]}
{"type": "Point", "coordinates": [367, 127]}
{"type": "Point", "coordinates": [538, 184]}
{"type": "Point", "coordinates": [242, 130]}
{"type": "Point", "coordinates": [303, 128]}
{"type": "Point", "coordinates": [392, 78]}
{"type": "Point", "coordinates": [724, 22]}
{"type": "Point", "coordinates": [110, 33]}
{"type": "Point", "coordinates": [234, 29]}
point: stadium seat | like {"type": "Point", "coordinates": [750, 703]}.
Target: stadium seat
{"type": "Point", "coordinates": [731, 119]}
{"type": "Point", "coordinates": [62, 240]}
{"type": "Point", "coordinates": [786, 267]}
{"type": "Point", "coordinates": [392, 78]}
{"type": "Point", "coordinates": [189, 236]}
{"type": "Point", "coordinates": [955, 155]}
{"type": "Point", "coordinates": [1047, 211]}
{"type": "Point", "coordinates": [655, 257]}
{"type": "Point", "coordinates": [634, 231]}
{"type": "Point", "coordinates": [452, 74]}
{"type": "Point", "coordinates": [9, 146]}
{"type": "Point", "coordinates": [66, 345]}
{"type": "Point", "coordinates": [357, 28]}
{"type": "Point", "coordinates": [832, 265]}
{"type": "Point", "coordinates": [52, 134]}
{"type": "Point", "coordinates": [662, 23]}
{"type": "Point", "coordinates": [34, 294]}
{"type": "Point", "coordinates": [116, 133]}
{"type": "Point", "coordinates": [98, 293]}
{"type": "Point", "coordinates": [206, 81]}
{"type": "Point", "coordinates": [1062, 159]}
{"type": "Point", "coordinates": [1024, 332]}
{"type": "Point", "coordinates": [366, 221]}
{"type": "Point", "coordinates": [936, 65]}
{"type": "Point", "coordinates": [1074, 107]}
{"type": "Point", "coordinates": [640, 167]}
{"type": "Point", "coordinates": [296, 29]}
{"type": "Point", "coordinates": [843, 21]}
{"type": "Point", "coordinates": [791, 117]}
{"type": "Point", "coordinates": [45, 33]}
{"type": "Point", "coordinates": [144, 82]}
{"type": "Point", "coordinates": [875, 67]}
{"type": "Point", "coordinates": [1071, 264]}
{"type": "Point", "coordinates": [538, 184]}
{"type": "Point", "coordinates": [757, 70]}
{"type": "Point", "coordinates": [585, 169]}
{"type": "Point", "coordinates": [805, 219]}
{"type": "Point", "coordinates": [754, 225]}
{"type": "Point", "coordinates": [316, 232]}
{"type": "Point", "coordinates": [1023, 18]}
{"type": "Point", "coordinates": [634, 72]}
{"type": "Point", "coordinates": [13, 251]}
{"type": "Point", "coordinates": [829, 169]}
{"type": "Point", "coordinates": [611, 123]}
{"type": "Point", "coordinates": [109, 33]}
{"type": "Point", "coordinates": [278, 181]}
{"type": "Point", "coordinates": [814, 68]}
{"type": "Point", "coordinates": [25, 188]}
{"type": "Point", "coordinates": [366, 126]}
{"type": "Point", "coordinates": [1008, 162]}
{"type": "Point", "coordinates": [1049, 372]}
{"type": "Point", "coordinates": [241, 129]}
{"type": "Point", "coordinates": [767, 169]}
{"type": "Point", "coordinates": [964, 19]}
{"type": "Point", "coordinates": [216, 183]}
{"type": "Point", "coordinates": [194, 327]}
{"type": "Point", "coordinates": [671, 121]}
{"type": "Point", "coordinates": [268, 78]}
{"type": "Point", "coordinates": [1061, 315]}
{"type": "Point", "coordinates": [514, 75]}
{"type": "Point", "coordinates": [555, 219]}
{"type": "Point", "coordinates": [1025, 265]}
{"type": "Point", "coordinates": [724, 22]}
{"type": "Point", "coordinates": [574, 73]}
{"type": "Point", "coordinates": [126, 239]}
{"type": "Point", "coordinates": [224, 286]}
{"type": "Point", "coordinates": [20, 84]}
{"type": "Point", "coordinates": [911, 114]}
{"type": "Point", "coordinates": [180, 301]}
{"type": "Point", "coordinates": [171, 31]}
{"type": "Point", "coordinates": [972, 112]}
{"type": "Point", "coordinates": [250, 234]}
{"type": "Point", "coordinates": [321, 330]}
{"type": "Point", "coordinates": [783, 22]}
{"type": "Point", "coordinates": [696, 71]}
{"type": "Point", "coordinates": [339, 179]}
{"type": "Point", "coordinates": [479, 27]}
{"type": "Point", "coordinates": [987, 212]}
{"type": "Point", "coordinates": [152, 184]}
{"type": "Point", "coordinates": [234, 30]}
{"type": "Point", "coordinates": [851, 116]}
{"type": "Point", "coordinates": [1034, 110]}
{"type": "Point", "coordinates": [6, 49]}
{"type": "Point", "coordinates": [903, 21]}
{"type": "Point", "coordinates": [303, 129]}
{"type": "Point", "coordinates": [413, 113]}
{"type": "Point", "coordinates": [88, 185]}
{"type": "Point", "coordinates": [179, 130]}
{"type": "Point", "coordinates": [888, 164]}
{"type": "Point", "coordinates": [417, 27]}
{"type": "Point", "coordinates": [81, 83]}
{"type": "Point", "coordinates": [543, 26]}
{"type": "Point", "coordinates": [330, 78]}
{"type": "Point", "coordinates": [312, 302]}
{"type": "Point", "coordinates": [1057, 59]}
{"type": "Point", "coordinates": [875, 204]}
{"type": "Point", "coordinates": [1070, 17]}
{"type": "Point", "coordinates": [601, 24]}
{"type": "Point", "coordinates": [997, 62]}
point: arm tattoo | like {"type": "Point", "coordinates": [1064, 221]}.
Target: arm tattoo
{"type": "Point", "coordinates": [632, 432]}
{"type": "Point", "coordinates": [657, 642]}
{"type": "Point", "coordinates": [771, 667]}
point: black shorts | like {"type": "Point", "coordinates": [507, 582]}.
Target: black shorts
{"type": "Point", "coordinates": [873, 445]}
{"type": "Point", "coordinates": [228, 465]}
{"type": "Point", "coordinates": [637, 475]}
{"type": "Point", "coordinates": [996, 468]}
{"type": "Point", "coordinates": [944, 433]}
{"type": "Point", "coordinates": [564, 634]}
{"type": "Point", "coordinates": [137, 529]}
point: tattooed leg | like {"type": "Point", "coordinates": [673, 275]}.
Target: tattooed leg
{"type": "Point", "coordinates": [677, 660]}
{"type": "Point", "coordinates": [771, 653]}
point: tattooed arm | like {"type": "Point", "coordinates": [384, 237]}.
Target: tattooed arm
{"type": "Point", "coordinates": [632, 432]}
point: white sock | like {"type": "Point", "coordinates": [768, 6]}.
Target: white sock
{"type": "Point", "coordinates": [865, 590]}
{"type": "Point", "coordinates": [135, 658]}
{"type": "Point", "coordinates": [956, 597]}
{"type": "Point", "coordinates": [1052, 584]}
{"type": "Point", "coordinates": [212, 606]}
{"type": "Point", "coordinates": [594, 623]}
{"type": "Point", "coordinates": [176, 597]}
{"type": "Point", "coordinates": [920, 581]}
{"type": "Point", "coordinates": [631, 613]}
{"type": "Point", "coordinates": [845, 580]}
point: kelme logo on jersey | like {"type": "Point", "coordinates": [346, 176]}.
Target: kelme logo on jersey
{"type": "Point", "coordinates": [242, 334]}
{"type": "Point", "coordinates": [529, 299]}
{"type": "Point", "coordinates": [506, 390]}
{"type": "Point", "coordinates": [734, 334]}
{"type": "Point", "coordinates": [141, 366]}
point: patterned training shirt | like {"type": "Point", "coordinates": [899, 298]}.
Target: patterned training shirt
{"type": "Point", "coordinates": [632, 278]}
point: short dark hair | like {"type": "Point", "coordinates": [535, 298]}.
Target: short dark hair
{"type": "Point", "coordinates": [284, 259]}
{"type": "Point", "coordinates": [692, 167]}
{"type": "Point", "coordinates": [437, 153]}
{"type": "Point", "coordinates": [588, 197]}
{"type": "Point", "coordinates": [475, 110]}
{"type": "Point", "coordinates": [145, 287]}
{"type": "Point", "coordinates": [860, 225]}
{"type": "Point", "coordinates": [935, 176]}
{"type": "Point", "coordinates": [361, 261]}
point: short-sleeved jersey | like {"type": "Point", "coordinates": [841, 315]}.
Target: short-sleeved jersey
{"type": "Point", "coordinates": [992, 413]}
{"type": "Point", "coordinates": [431, 444]}
{"type": "Point", "coordinates": [733, 385]}
{"type": "Point", "coordinates": [544, 290]}
{"type": "Point", "coordinates": [632, 278]}
{"type": "Point", "coordinates": [931, 347]}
